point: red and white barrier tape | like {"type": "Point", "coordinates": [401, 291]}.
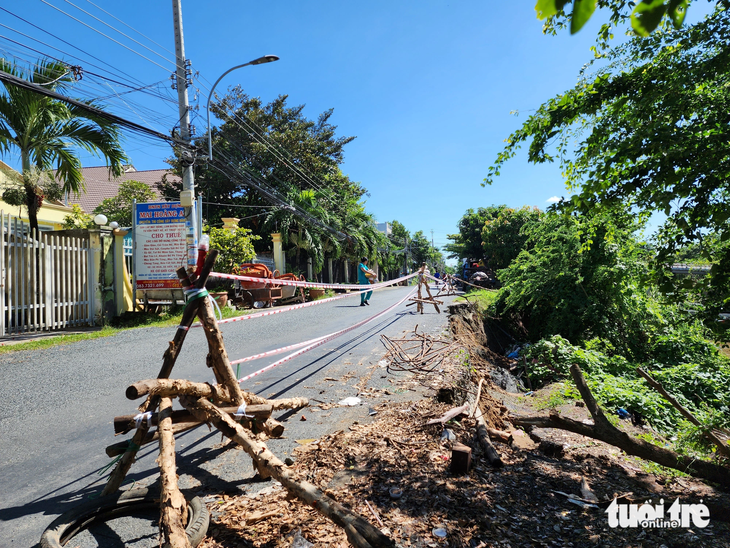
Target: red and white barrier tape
{"type": "Point", "coordinates": [321, 340]}
{"type": "Point", "coordinates": [298, 283]}
{"type": "Point", "coordinates": [273, 311]}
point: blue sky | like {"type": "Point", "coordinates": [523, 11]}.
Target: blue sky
{"type": "Point", "coordinates": [429, 88]}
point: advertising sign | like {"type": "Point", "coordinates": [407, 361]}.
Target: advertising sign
{"type": "Point", "coordinates": [160, 244]}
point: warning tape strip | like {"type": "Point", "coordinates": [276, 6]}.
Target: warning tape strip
{"type": "Point", "coordinates": [298, 283]}
{"type": "Point", "coordinates": [272, 311]}
{"type": "Point", "coordinates": [320, 341]}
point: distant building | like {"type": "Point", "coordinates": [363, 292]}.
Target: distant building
{"type": "Point", "coordinates": [385, 228]}
{"type": "Point", "coordinates": [99, 186]}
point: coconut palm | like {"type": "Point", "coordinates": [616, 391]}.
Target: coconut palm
{"type": "Point", "coordinates": [45, 131]}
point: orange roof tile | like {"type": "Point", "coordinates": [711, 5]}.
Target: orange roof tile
{"type": "Point", "coordinates": [99, 186]}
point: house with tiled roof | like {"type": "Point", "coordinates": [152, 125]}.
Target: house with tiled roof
{"type": "Point", "coordinates": [50, 215]}
{"type": "Point", "coordinates": [99, 185]}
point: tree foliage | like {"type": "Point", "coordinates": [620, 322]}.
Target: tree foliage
{"type": "Point", "coordinates": [119, 208]}
{"type": "Point", "coordinates": [234, 247]}
{"type": "Point", "coordinates": [46, 131]}
{"type": "Point", "coordinates": [645, 16]}
{"type": "Point", "coordinates": [506, 234]}
{"type": "Point", "coordinates": [580, 278]}
{"type": "Point", "coordinates": [652, 134]}
{"type": "Point", "coordinates": [467, 243]}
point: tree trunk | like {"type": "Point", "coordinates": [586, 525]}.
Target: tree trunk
{"type": "Point", "coordinates": [359, 531]}
{"type": "Point", "coordinates": [603, 430]}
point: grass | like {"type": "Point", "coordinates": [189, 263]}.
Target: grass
{"type": "Point", "coordinates": [129, 320]}
{"type": "Point", "coordinates": [56, 340]}
{"type": "Point", "coordinates": [483, 298]}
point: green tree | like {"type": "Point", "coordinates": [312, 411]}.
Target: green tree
{"type": "Point", "coordinates": [580, 278]}
{"type": "Point", "coordinates": [652, 134]}
{"type": "Point", "coordinates": [119, 208]}
{"type": "Point", "coordinates": [44, 131]}
{"type": "Point", "coordinates": [275, 144]}
{"type": "Point", "coordinates": [467, 243]}
{"type": "Point", "coordinates": [234, 247]}
{"type": "Point", "coordinates": [78, 219]}
{"type": "Point", "coordinates": [296, 231]}
{"type": "Point", "coordinates": [504, 236]}
{"type": "Point", "coordinates": [645, 16]}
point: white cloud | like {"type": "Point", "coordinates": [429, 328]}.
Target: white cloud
{"type": "Point", "coordinates": [553, 200]}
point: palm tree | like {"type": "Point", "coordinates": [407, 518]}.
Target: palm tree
{"type": "Point", "coordinates": [45, 131]}
{"type": "Point", "coordinates": [298, 231]}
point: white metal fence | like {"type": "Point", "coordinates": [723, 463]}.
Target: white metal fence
{"type": "Point", "coordinates": [44, 282]}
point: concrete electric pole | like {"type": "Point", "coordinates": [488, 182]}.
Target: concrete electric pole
{"type": "Point", "coordinates": [187, 196]}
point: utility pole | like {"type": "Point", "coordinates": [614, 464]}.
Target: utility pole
{"type": "Point", "coordinates": [187, 196]}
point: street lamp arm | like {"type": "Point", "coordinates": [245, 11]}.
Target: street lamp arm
{"type": "Point", "coordinates": [259, 61]}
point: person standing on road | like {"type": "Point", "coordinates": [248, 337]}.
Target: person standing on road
{"type": "Point", "coordinates": [363, 278]}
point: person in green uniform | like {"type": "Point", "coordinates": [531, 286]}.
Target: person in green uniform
{"type": "Point", "coordinates": [363, 277]}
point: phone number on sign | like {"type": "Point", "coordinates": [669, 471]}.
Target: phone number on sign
{"type": "Point", "coordinates": [158, 285]}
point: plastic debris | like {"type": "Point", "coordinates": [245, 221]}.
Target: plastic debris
{"type": "Point", "coordinates": [448, 435]}
{"type": "Point", "coordinates": [622, 413]}
{"type": "Point", "coordinates": [298, 541]}
{"type": "Point", "coordinates": [351, 401]}
{"type": "Point", "coordinates": [439, 532]}
{"type": "Point", "coordinates": [395, 492]}
{"type": "Point", "coordinates": [383, 363]}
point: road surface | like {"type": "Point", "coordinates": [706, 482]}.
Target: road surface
{"type": "Point", "coordinates": [57, 405]}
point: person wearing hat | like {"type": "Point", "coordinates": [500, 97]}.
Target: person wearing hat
{"type": "Point", "coordinates": [363, 278]}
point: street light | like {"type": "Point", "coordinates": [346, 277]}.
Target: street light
{"type": "Point", "coordinates": [259, 61]}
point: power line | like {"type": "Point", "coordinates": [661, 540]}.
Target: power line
{"type": "Point", "coordinates": [120, 32]}
{"type": "Point", "coordinates": [68, 44]}
{"type": "Point", "coordinates": [129, 27]}
{"type": "Point", "coordinates": [24, 84]}
{"type": "Point", "coordinates": [105, 36]}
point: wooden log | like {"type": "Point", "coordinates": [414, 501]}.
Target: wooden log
{"type": "Point", "coordinates": [489, 451]}
{"type": "Point", "coordinates": [274, 428]}
{"type": "Point", "coordinates": [175, 387]}
{"type": "Point", "coordinates": [501, 435]}
{"type": "Point", "coordinates": [603, 430]}
{"type": "Point", "coordinates": [287, 403]}
{"type": "Point", "coordinates": [217, 355]}
{"type": "Point", "coordinates": [450, 414]}
{"type": "Point", "coordinates": [121, 447]}
{"type": "Point", "coordinates": [476, 401]}
{"type": "Point", "coordinates": [125, 423]}
{"type": "Point", "coordinates": [191, 310]}
{"type": "Point", "coordinates": [173, 508]}
{"type": "Point", "coordinates": [359, 531]}
{"type": "Point", "coordinates": [722, 447]}
{"type": "Point", "coordinates": [426, 301]}
{"type": "Point", "coordinates": [460, 458]}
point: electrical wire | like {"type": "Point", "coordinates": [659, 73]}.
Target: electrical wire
{"type": "Point", "coordinates": [105, 35]}
{"type": "Point", "coordinates": [116, 70]}
{"type": "Point", "coordinates": [120, 32]}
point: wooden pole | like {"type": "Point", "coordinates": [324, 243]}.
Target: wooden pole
{"type": "Point", "coordinates": [125, 423]}
{"type": "Point", "coordinates": [173, 507]}
{"type": "Point", "coordinates": [175, 387]}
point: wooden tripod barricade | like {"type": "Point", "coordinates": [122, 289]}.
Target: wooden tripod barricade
{"type": "Point", "coordinates": [419, 300]}
{"type": "Point", "coordinates": [217, 405]}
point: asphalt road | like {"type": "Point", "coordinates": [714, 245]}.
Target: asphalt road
{"type": "Point", "coordinates": [57, 405]}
